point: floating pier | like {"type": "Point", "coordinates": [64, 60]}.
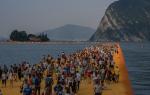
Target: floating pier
{"type": "Point", "coordinates": [123, 87]}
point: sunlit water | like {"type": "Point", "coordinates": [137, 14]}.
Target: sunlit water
{"type": "Point", "coordinates": [137, 59]}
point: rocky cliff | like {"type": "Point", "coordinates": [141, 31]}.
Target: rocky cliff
{"type": "Point", "coordinates": [125, 20]}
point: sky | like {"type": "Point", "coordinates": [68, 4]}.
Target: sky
{"type": "Point", "coordinates": [36, 16]}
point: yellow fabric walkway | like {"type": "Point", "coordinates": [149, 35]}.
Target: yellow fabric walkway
{"type": "Point", "coordinates": [121, 88]}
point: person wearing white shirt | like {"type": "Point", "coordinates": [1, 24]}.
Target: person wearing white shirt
{"type": "Point", "coordinates": [78, 76]}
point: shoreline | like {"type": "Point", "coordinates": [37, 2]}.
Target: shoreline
{"type": "Point", "coordinates": [56, 42]}
{"type": "Point", "coordinates": [68, 42]}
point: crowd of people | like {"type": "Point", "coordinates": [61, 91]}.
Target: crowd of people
{"type": "Point", "coordinates": [63, 75]}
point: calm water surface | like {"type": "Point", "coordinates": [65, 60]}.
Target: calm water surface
{"type": "Point", "coordinates": [137, 58]}
{"type": "Point", "coordinates": [138, 63]}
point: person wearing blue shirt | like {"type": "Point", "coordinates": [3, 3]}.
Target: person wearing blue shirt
{"type": "Point", "coordinates": [48, 85]}
{"type": "Point", "coordinates": [37, 85]}
{"type": "Point", "coordinates": [27, 90]}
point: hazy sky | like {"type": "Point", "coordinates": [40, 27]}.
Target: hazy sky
{"type": "Point", "coordinates": [39, 15]}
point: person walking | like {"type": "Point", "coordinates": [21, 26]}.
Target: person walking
{"type": "Point", "coordinates": [78, 77]}
{"type": "Point", "coordinates": [4, 79]}
{"type": "Point", "coordinates": [27, 90]}
{"type": "Point", "coordinates": [48, 85]}
{"type": "Point", "coordinates": [98, 88]}
{"type": "Point", "coordinates": [37, 85]}
{"type": "Point", "coordinates": [11, 79]}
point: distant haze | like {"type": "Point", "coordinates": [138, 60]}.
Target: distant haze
{"type": "Point", "coordinates": [35, 16]}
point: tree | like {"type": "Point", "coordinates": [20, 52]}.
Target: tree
{"type": "Point", "coordinates": [19, 36]}
{"type": "Point", "coordinates": [43, 37]}
{"type": "Point", "coordinates": [23, 36]}
{"type": "Point", "coordinates": [13, 35]}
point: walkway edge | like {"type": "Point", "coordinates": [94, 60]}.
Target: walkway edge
{"type": "Point", "coordinates": [123, 67]}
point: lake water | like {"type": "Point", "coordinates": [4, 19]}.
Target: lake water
{"type": "Point", "coordinates": [137, 59]}
{"type": "Point", "coordinates": [138, 63]}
